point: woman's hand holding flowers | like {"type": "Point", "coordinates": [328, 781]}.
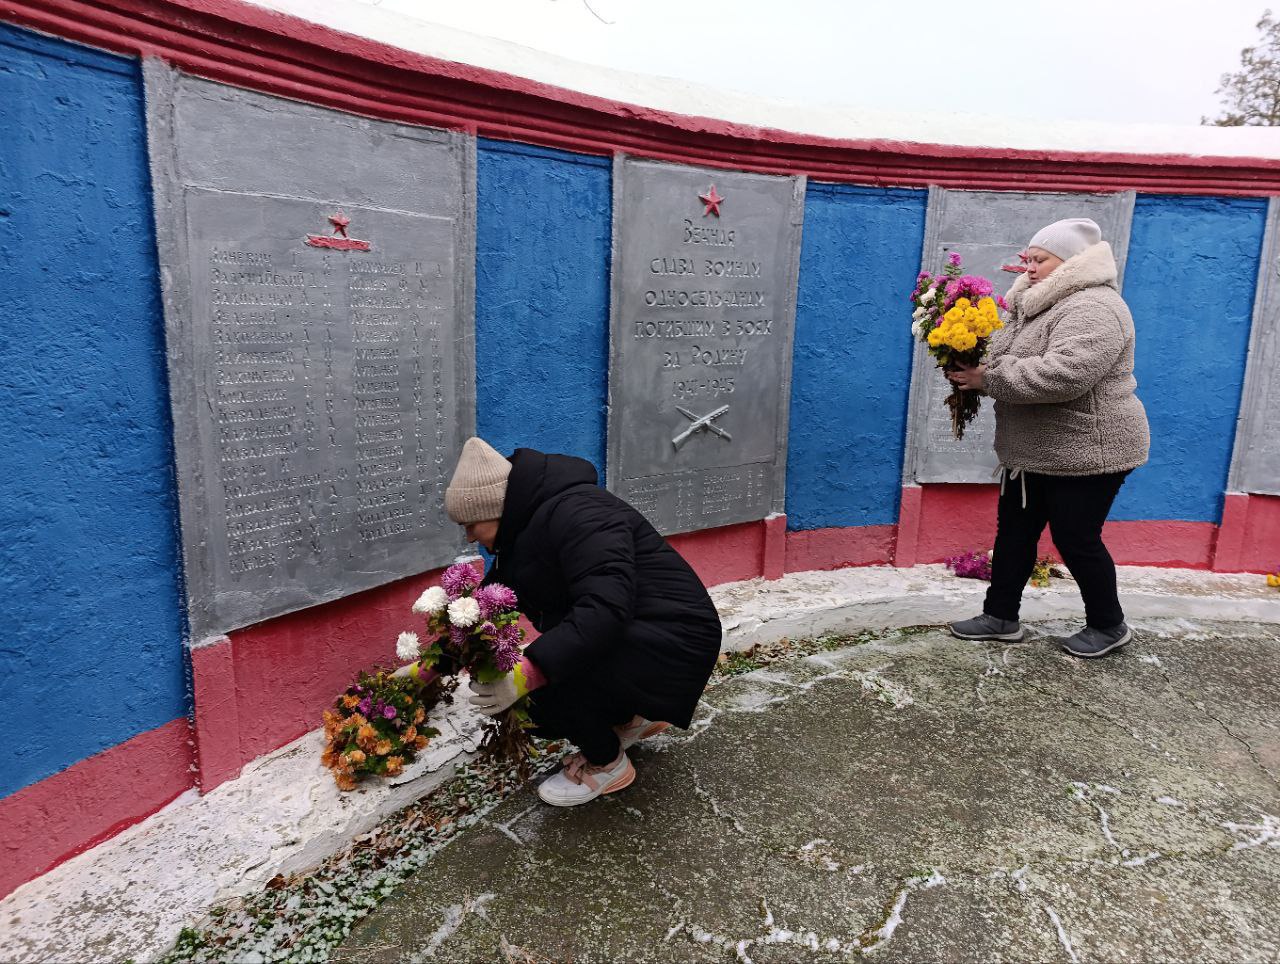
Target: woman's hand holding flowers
{"type": "Point", "coordinates": [968, 377]}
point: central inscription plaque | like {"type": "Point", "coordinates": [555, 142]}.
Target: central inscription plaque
{"type": "Point", "coordinates": [703, 312]}
{"type": "Point", "coordinates": [319, 348]}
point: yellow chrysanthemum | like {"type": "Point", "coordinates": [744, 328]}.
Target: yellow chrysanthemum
{"type": "Point", "coordinates": [955, 315]}
{"type": "Point", "coordinates": [963, 303]}
{"type": "Point", "coordinates": [963, 340]}
{"type": "Point", "coordinates": [935, 338]}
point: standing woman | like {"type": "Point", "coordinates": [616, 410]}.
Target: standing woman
{"type": "Point", "coordinates": [1069, 430]}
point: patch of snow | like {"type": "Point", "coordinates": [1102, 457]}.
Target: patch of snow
{"type": "Point", "coordinates": [1264, 834]}
{"type": "Point", "coordinates": [1062, 935]}
{"type": "Point", "coordinates": [454, 915]}
{"type": "Point", "coordinates": [1139, 861]}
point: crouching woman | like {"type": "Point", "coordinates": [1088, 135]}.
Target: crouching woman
{"type": "Point", "coordinates": [629, 634]}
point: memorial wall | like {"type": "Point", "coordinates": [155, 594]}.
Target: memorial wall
{"type": "Point", "coordinates": [316, 273]}
{"type": "Point", "coordinates": [319, 307]}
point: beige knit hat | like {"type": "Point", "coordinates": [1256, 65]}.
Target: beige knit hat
{"type": "Point", "coordinates": [1068, 237]}
{"type": "Point", "coordinates": [479, 485]}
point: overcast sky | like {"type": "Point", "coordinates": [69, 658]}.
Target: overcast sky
{"type": "Point", "coordinates": [1155, 61]}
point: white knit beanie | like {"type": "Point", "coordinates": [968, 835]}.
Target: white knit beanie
{"type": "Point", "coordinates": [479, 485]}
{"type": "Point", "coordinates": [1068, 237]}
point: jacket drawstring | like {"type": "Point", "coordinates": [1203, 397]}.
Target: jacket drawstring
{"type": "Point", "coordinates": [1012, 474]}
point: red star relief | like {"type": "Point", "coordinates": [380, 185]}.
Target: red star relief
{"type": "Point", "coordinates": [712, 200]}
{"type": "Point", "coordinates": [339, 222]}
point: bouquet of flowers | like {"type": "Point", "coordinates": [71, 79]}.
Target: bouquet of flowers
{"type": "Point", "coordinates": [1044, 570]}
{"type": "Point", "coordinates": [955, 315]}
{"type": "Point", "coordinates": [971, 565]}
{"type": "Point", "coordinates": [377, 726]}
{"type": "Point", "coordinates": [475, 628]}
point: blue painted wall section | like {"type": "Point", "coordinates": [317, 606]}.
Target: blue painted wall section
{"type": "Point", "coordinates": [1189, 281]}
{"type": "Point", "coordinates": [852, 364]}
{"type": "Point", "coordinates": [543, 239]}
{"type": "Point", "coordinates": [92, 646]}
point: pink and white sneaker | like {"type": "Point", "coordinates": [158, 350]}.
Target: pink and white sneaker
{"type": "Point", "coordinates": [639, 729]}
{"type": "Point", "coordinates": [581, 781]}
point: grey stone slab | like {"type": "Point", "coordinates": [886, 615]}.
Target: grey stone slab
{"type": "Point", "coordinates": [987, 229]}
{"type": "Point", "coordinates": [702, 321]}
{"type": "Point", "coordinates": [318, 275]}
{"type": "Point", "coordinates": [1255, 462]}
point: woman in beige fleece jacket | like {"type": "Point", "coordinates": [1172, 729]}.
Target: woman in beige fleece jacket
{"type": "Point", "coordinates": [1069, 429]}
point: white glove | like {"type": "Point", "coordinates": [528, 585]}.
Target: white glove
{"type": "Point", "coordinates": [492, 698]}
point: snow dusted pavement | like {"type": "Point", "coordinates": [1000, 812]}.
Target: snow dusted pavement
{"type": "Point", "coordinates": [907, 797]}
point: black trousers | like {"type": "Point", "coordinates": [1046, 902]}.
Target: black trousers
{"type": "Point", "coordinates": [1074, 508]}
{"type": "Point", "coordinates": [583, 711]}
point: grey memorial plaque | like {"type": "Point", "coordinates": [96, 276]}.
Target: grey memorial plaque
{"type": "Point", "coordinates": [1255, 462]}
{"type": "Point", "coordinates": [988, 229]}
{"type": "Point", "coordinates": [703, 313]}
{"type": "Point", "coordinates": [317, 273]}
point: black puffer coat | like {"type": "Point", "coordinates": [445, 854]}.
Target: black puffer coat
{"type": "Point", "coordinates": [613, 601]}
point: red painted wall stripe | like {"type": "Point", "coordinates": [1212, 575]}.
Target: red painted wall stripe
{"type": "Point", "coordinates": [838, 548]}
{"type": "Point", "coordinates": [1249, 539]}
{"type": "Point", "coordinates": [955, 518]}
{"type": "Point", "coordinates": [49, 822]}
{"type": "Point", "coordinates": [240, 44]}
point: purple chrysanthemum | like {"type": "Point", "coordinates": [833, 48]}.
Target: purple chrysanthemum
{"type": "Point", "coordinates": [510, 635]}
{"type": "Point", "coordinates": [953, 259]}
{"type": "Point", "coordinates": [389, 712]}
{"type": "Point", "coordinates": [458, 580]}
{"type": "Point", "coordinates": [505, 657]}
{"type": "Point", "coordinates": [457, 637]}
{"type": "Point", "coordinates": [494, 599]}
{"type": "Point", "coordinates": [488, 629]}
{"type": "Point", "coordinates": [971, 565]}
{"type": "Point", "coordinates": [363, 706]}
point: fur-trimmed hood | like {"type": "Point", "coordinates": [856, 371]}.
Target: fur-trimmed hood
{"type": "Point", "coordinates": [1094, 266]}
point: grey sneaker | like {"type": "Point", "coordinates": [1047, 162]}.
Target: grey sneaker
{"type": "Point", "coordinates": [1091, 643]}
{"type": "Point", "coordinates": [988, 627]}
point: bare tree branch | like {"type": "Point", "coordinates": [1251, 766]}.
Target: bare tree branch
{"type": "Point", "coordinates": [1251, 95]}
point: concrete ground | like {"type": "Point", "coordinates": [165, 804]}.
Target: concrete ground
{"type": "Point", "coordinates": [911, 798]}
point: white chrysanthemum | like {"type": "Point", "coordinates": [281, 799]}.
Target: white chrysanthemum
{"type": "Point", "coordinates": [464, 612]}
{"type": "Point", "coordinates": [917, 327]}
{"type": "Point", "coordinates": [919, 313]}
{"type": "Point", "coordinates": [407, 646]}
{"type": "Point", "coordinates": [431, 602]}
{"type": "Point", "coordinates": [928, 296]}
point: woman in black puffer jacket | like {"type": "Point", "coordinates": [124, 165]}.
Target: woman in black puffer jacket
{"type": "Point", "coordinates": [629, 634]}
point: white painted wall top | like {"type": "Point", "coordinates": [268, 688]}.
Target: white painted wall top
{"type": "Point", "coordinates": [677, 97]}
